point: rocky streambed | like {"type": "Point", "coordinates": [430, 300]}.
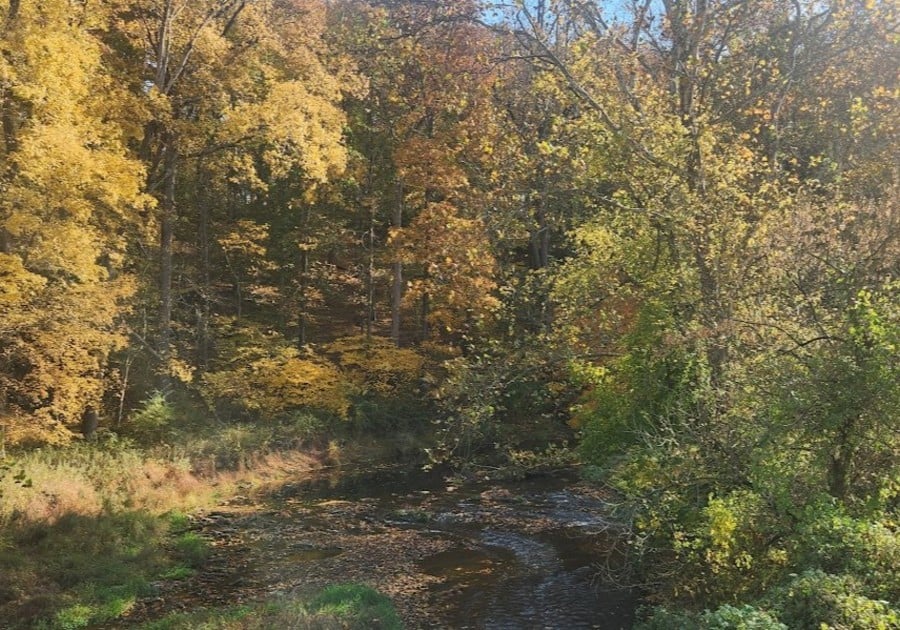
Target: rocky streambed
{"type": "Point", "coordinates": [472, 555]}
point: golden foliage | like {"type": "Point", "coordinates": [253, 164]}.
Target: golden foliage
{"type": "Point", "coordinates": [70, 197]}
{"type": "Point", "coordinates": [266, 377]}
{"type": "Point", "coordinates": [53, 357]}
{"type": "Point", "coordinates": [376, 365]}
{"type": "Point", "coordinates": [459, 266]}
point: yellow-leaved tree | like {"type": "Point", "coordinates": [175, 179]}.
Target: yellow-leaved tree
{"type": "Point", "coordinates": [70, 198]}
{"type": "Point", "coordinates": [244, 97]}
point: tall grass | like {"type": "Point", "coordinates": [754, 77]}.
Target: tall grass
{"type": "Point", "coordinates": [82, 532]}
{"type": "Point", "coordinates": [93, 479]}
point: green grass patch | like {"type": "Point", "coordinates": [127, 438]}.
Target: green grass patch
{"type": "Point", "coordinates": [85, 570]}
{"type": "Point", "coordinates": [337, 607]}
{"type": "Point", "coordinates": [178, 521]}
{"type": "Point", "coordinates": [191, 548]}
{"type": "Point", "coordinates": [360, 606]}
{"type": "Point", "coordinates": [176, 574]}
{"type": "Point", "coordinates": [80, 570]}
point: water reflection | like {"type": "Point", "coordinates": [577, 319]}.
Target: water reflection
{"type": "Point", "coordinates": [524, 554]}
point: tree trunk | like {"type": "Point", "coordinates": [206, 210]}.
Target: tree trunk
{"type": "Point", "coordinates": [90, 420]}
{"type": "Point", "coordinates": [167, 237]}
{"type": "Point", "coordinates": [8, 115]}
{"type": "Point", "coordinates": [540, 238]}
{"type": "Point", "coordinates": [205, 275]}
{"type": "Point", "coordinates": [397, 287]}
{"type": "Point", "coordinates": [370, 277]}
{"type": "Point", "coordinates": [302, 315]}
{"type": "Point", "coordinates": [8, 122]}
{"type": "Point", "coordinates": [304, 299]}
{"type": "Point", "coordinates": [13, 10]}
{"type": "Point", "coordinates": [425, 307]}
{"type": "Point", "coordinates": [840, 459]}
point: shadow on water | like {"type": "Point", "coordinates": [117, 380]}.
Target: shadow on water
{"type": "Point", "coordinates": [523, 582]}
{"type": "Point", "coordinates": [524, 554]}
{"type": "Point", "coordinates": [374, 483]}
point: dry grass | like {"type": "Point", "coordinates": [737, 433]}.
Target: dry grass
{"type": "Point", "coordinates": [93, 479]}
{"type": "Point", "coordinates": [88, 480]}
{"type": "Point", "coordinates": [87, 529]}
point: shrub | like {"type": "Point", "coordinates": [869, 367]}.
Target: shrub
{"type": "Point", "coordinates": [662, 618]}
{"type": "Point", "coordinates": [152, 419]}
{"type": "Point", "coordinates": [833, 540]}
{"type": "Point", "coordinates": [740, 618]}
{"type": "Point", "coordinates": [816, 599]}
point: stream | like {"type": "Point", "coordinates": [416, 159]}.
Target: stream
{"type": "Point", "coordinates": [492, 555]}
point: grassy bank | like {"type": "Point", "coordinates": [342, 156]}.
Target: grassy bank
{"type": "Point", "coordinates": [343, 606]}
{"type": "Point", "coordinates": [83, 570]}
{"type": "Point", "coordinates": [87, 530]}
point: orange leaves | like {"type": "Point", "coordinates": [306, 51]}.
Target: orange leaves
{"type": "Point", "coordinates": [429, 164]}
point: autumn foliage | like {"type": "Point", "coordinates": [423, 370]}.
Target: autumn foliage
{"type": "Point", "coordinates": [668, 227]}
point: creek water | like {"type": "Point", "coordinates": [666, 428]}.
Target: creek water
{"type": "Point", "coordinates": [513, 555]}
{"type": "Point", "coordinates": [457, 555]}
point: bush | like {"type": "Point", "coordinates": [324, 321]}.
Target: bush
{"type": "Point", "coordinates": [152, 419]}
{"type": "Point", "coordinates": [725, 617]}
{"type": "Point", "coordinates": [662, 618]}
{"type": "Point", "coordinates": [816, 599]}
{"type": "Point", "coordinates": [838, 543]}
{"type": "Point", "coordinates": [740, 618]}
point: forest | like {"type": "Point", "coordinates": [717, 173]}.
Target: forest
{"type": "Point", "coordinates": [656, 241]}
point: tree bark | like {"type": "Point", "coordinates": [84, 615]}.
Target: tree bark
{"type": "Point", "coordinates": [166, 241]}
{"type": "Point", "coordinates": [302, 315]}
{"type": "Point", "coordinates": [425, 309]}
{"type": "Point", "coordinates": [840, 458]}
{"type": "Point", "coordinates": [370, 276]}
{"type": "Point", "coordinates": [205, 274]}
{"type": "Point", "coordinates": [6, 106]}
{"type": "Point", "coordinates": [397, 287]}
{"type": "Point", "coordinates": [540, 238]}
{"type": "Point", "coordinates": [304, 298]}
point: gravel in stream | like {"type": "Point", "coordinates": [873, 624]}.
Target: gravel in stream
{"type": "Point", "coordinates": [299, 546]}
